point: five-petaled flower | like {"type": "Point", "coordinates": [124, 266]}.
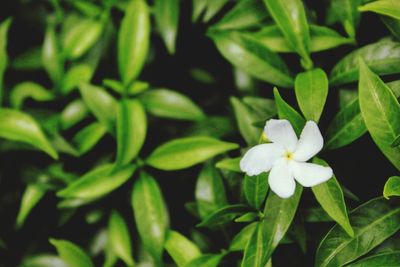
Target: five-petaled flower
{"type": "Point", "coordinates": [285, 157]}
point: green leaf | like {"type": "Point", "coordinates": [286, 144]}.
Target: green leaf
{"type": "Point", "coordinates": [278, 215]}
{"type": "Point", "coordinates": [21, 127]}
{"type": "Point", "coordinates": [291, 19]}
{"type": "Point", "coordinates": [386, 259]}
{"type": "Point", "coordinates": [119, 238]}
{"type": "Point", "coordinates": [311, 89]}
{"type": "Point", "coordinates": [245, 14]}
{"type": "Point", "coordinates": [101, 104]}
{"type": "Point", "coordinates": [346, 97]}
{"type": "Point", "coordinates": [181, 249]}
{"type": "Point", "coordinates": [185, 152]}
{"type": "Point", "coordinates": [240, 241]}
{"type": "Point", "coordinates": [51, 57]}
{"type": "Point", "coordinates": [212, 126]}
{"type": "Point", "coordinates": [246, 118]}
{"type": "Point", "coordinates": [88, 137]}
{"type": "Point", "coordinates": [166, 13]}
{"type": "Point", "coordinates": [392, 187]}
{"type": "Point", "coordinates": [133, 40]}
{"type": "Point", "coordinates": [4, 26]}
{"type": "Point", "coordinates": [151, 214]}
{"type": "Point", "coordinates": [381, 113]}
{"type": "Point", "coordinates": [255, 189]}
{"type": "Point", "coordinates": [223, 215]}
{"type": "Point", "coordinates": [28, 60]}
{"type": "Point", "coordinates": [25, 90]}
{"type": "Point", "coordinates": [253, 57]}
{"type": "Point", "coordinates": [213, 7]}
{"type": "Point", "coordinates": [382, 57]}
{"type": "Point", "coordinates": [393, 25]}
{"type": "Point", "coordinates": [230, 164]}
{"type": "Point", "coordinates": [372, 222]}
{"type": "Point", "coordinates": [97, 182]}
{"type": "Point", "coordinates": [388, 8]}
{"type": "Point", "coordinates": [198, 8]}
{"type": "Point", "coordinates": [396, 141]}
{"type": "Point", "coordinates": [330, 197]}
{"type": "Point", "coordinates": [43, 260]}
{"type": "Point", "coordinates": [210, 191]}
{"type": "Point", "coordinates": [32, 195]}
{"type": "Point", "coordinates": [166, 103]}
{"type": "Point", "coordinates": [345, 12]}
{"type": "Point", "coordinates": [207, 260]}
{"type": "Point", "coordinates": [264, 107]}
{"type": "Point", "coordinates": [73, 113]}
{"type": "Point", "coordinates": [81, 37]}
{"type": "Point", "coordinates": [71, 254]}
{"type": "Point", "coordinates": [131, 130]}
{"type": "Point", "coordinates": [75, 76]}
{"type": "Point", "coordinates": [285, 111]}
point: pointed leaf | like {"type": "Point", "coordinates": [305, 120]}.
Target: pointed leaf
{"type": "Point", "coordinates": [71, 254]}
{"type": "Point", "coordinates": [26, 90]}
{"type": "Point", "coordinates": [32, 195]}
{"type": "Point", "coordinates": [388, 8]}
{"type": "Point", "coordinates": [51, 57]}
{"type": "Point", "coordinates": [255, 189]}
{"type": "Point", "coordinates": [181, 249]}
{"type": "Point", "coordinates": [4, 26]}
{"type": "Point", "coordinates": [255, 249]}
{"type": "Point", "coordinates": [166, 13]}
{"type": "Point", "coordinates": [88, 137]}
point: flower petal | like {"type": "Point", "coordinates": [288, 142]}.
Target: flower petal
{"type": "Point", "coordinates": [281, 132]}
{"type": "Point", "coordinates": [281, 179]}
{"type": "Point", "coordinates": [260, 158]}
{"type": "Point", "coordinates": [310, 143]}
{"type": "Point", "coordinates": [310, 174]}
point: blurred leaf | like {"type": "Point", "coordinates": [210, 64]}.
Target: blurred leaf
{"type": "Point", "coordinates": [73, 113]}
{"type": "Point", "coordinates": [131, 130]}
{"type": "Point", "coordinates": [151, 215]}
{"type": "Point", "coordinates": [383, 57]}
{"type": "Point", "coordinates": [4, 26]}
{"type": "Point", "coordinates": [387, 259]}
{"type": "Point", "coordinates": [241, 239]}
{"type": "Point", "coordinates": [381, 112]}
{"type": "Point", "coordinates": [198, 8]}
{"type": "Point", "coordinates": [388, 8]}
{"type": "Point", "coordinates": [255, 189]}
{"type": "Point", "coordinates": [253, 57]}
{"type": "Point", "coordinates": [21, 127]}
{"type": "Point", "coordinates": [263, 107]}
{"type": "Point", "coordinates": [88, 137]}
{"type": "Point", "coordinates": [51, 58]}
{"type": "Point", "coordinates": [166, 13]}
{"type": "Point", "coordinates": [202, 75]}
{"type": "Point", "coordinates": [97, 182]}
{"type": "Point", "coordinates": [43, 260]}
{"type": "Point", "coordinates": [185, 152]}
{"type": "Point", "coordinates": [316, 214]}
{"type": "Point", "coordinates": [223, 215]}
{"type": "Point", "coordinates": [372, 222]}
{"type": "Point", "coordinates": [345, 12]}
{"type": "Point", "coordinates": [71, 254]}
{"type": "Point", "coordinates": [311, 89]}
{"type": "Point", "coordinates": [25, 90]}
{"type": "Point", "coordinates": [28, 60]}
{"type": "Point", "coordinates": [87, 8]}
{"type": "Point", "coordinates": [393, 25]}
{"type": "Point", "coordinates": [133, 40]}
{"type": "Point", "coordinates": [119, 237]}
{"type": "Point", "coordinates": [248, 217]}
{"type": "Point", "coordinates": [213, 7]}
{"type": "Point", "coordinates": [181, 249]}
{"type": "Point", "coordinates": [101, 104]}
{"type": "Point", "coordinates": [206, 260]}
{"type": "Point", "coordinates": [167, 103]}
{"type": "Point", "coordinates": [392, 187]}
{"type": "Point", "coordinates": [255, 249]}
{"type": "Point", "coordinates": [212, 126]}
{"type": "Point", "coordinates": [330, 196]}
{"type": "Point", "coordinates": [32, 195]}
{"type": "Point", "coordinates": [230, 164]}
{"type": "Point", "coordinates": [75, 76]}
{"type": "Point", "coordinates": [346, 97]}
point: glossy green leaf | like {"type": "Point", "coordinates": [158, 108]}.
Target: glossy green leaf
{"type": "Point", "coordinates": [330, 196]}
{"type": "Point", "coordinates": [291, 19]}
{"type": "Point", "coordinates": [255, 249]}
{"type": "Point", "coordinates": [185, 152]}
{"type": "Point", "coordinates": [206, 260]}
{"type": "Point", "coordinates": [31, 196]}
{"type": "Point", "coordinates": [88, 137]}
{"type": "Point", "coordinates": [131, 130]}
{"type": "Point", "coordinates": [240, 241]}
{"type": "Point", "coordinates": [26, 90]}
{"type": "Point", "coordinates": [230, 164]}
{"type": "Point", "coordinates": [97, 182]}
{"type": "Point", "coordinates": [253, 57]}
{"type": "Point", "coordinates": [75, 76]}
{"type": "Point", "coordinates": [372, 222]}
{"type": "Point", "coordinates": [396, 141]}
{"type": "Point", "coordinates": [21, 127]}
{"type": "Point", "coordinates": [387, 259]}
{"type": "Point", "coordinates": [311, 89]}
{"type": "Point", "coordinates": [73, 113]}
{"type": "Point", "coordinates": [381, 112]}
{"type": "Point", "coordinates": [250, 216]}
{"type": "Point", "coordinates": [151, 215]}
{"type": "Point", "coordinates": [223, 215]}
{"type": "Point", "coordinates": [133, 40]}
{"type": "Point", "coordinates": [181, 249]}
{"type": "Point", "coordinates": [245, 14]}
{"type": "Point", "coordinates": [71, 254]}
{"type": "Point", "coordinates": [278, 216]}
{"type": "Point", "coordinates": [388, 8]}
{"type": "Point", "coordinates": [101, 104]}
{"type": "Point", "coordinates": [119, 238]}
{"type": "Point", "coordinates": [166, 13]}
{"type": "Point", "coordinates": [4, 26]}
{"type": "Point", "coordinates": [345, 12]}
{"type": "Point", "coordinates": [51, 57]}
{"type": "Point", "coordinates": [392, 187]}
{"type": "Point", "coordinates": [167, 103]}
{"type": "Point", "coordinates": [255, 189]}
{"type": "Point", "coordinates": [383, 57]}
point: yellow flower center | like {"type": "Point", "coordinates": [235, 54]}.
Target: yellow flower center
{"type": "Point", "coordinates": [288, 155]}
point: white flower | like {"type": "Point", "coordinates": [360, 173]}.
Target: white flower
{"type": "Point", "coordinates": [286, 157]}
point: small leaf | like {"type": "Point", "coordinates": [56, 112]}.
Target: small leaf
{"type": "Point", "coordinates": [181, 249]}
{"type": "Point", "coordinates": [166, 13]}
{"type": "Point", "coordinates": [223, 215]}
{"type": "Point", "coordinates": [133, 40]}
{"type": "Point", "coordinates": [206, 260]}
{"type": "Point", "coordinates": [131, 130]}
{"type": "Point", "coordinates": [4, 26]}
{"type": "Point", "coordinates": [43, 260]}
{"type": "Point", "coordinates": [73, 113]}
{"type": "Point", "coordinates": [119, 238]}
{"type": "Point", "coordinates": [229, 164]}
{"type": "Point", "coordinates": [32, 195]}
{"type": "Point", "coordinates": [241, 240]}
{"type": "Point", "coordinates": [213, 7]}
{"type": "Point", "coordinates": [75, 76]}
{"type": "Point", "coordinates": [388, 8]}
{"type": "Point", "coordinates": [71, 254]}
{"type": "Point", "coordinates": [166, 103]}
{"type": "Point", "coordinates": [255, 189]}
{"type": "Point", "coordinates": [51, 57]}
{"type": "Point", "coordinates": [151, 215]}
{"type": "Point", "coordinates": [392, 187]}
{"type": "Point", "coordinates": [344, 11]}
{"type": "Point", "coordinates": [185, 152]}
{"type": "Point", "coordinates": [21, 127]}
{"type": "Point", "coordinates": [25, 90]}
{"type": "Point", "coordinates": [88, 137]}
{"type": "Point", "coordinates": [28, 60]}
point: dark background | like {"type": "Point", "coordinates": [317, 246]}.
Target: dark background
{"type": "Point", "coordinates": [361, 167]}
